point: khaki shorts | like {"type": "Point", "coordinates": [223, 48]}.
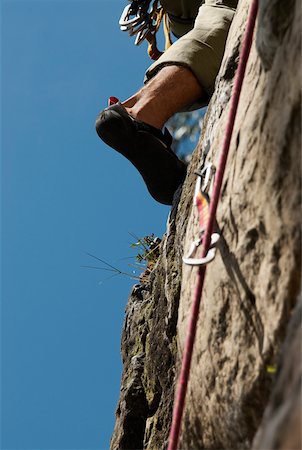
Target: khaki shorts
{"type": "Point", "coordinates": [201, 45]}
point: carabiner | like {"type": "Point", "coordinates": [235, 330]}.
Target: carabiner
{"type": "Point", "coordinates": [142, 35]}
{"type": "Point", "coordinates": [201, 201]}
{"type": "Point", "coordinates": [190, 261]}
{"type": "Point", "coordinates": [125, 20]}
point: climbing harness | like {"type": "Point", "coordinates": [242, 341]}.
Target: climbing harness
{"type": "Point", "coordinates": [204, 181]}
{"type": "Point", "coordinates": [206, 241]}
{"type": "Point", "coordinates": [143, 18]}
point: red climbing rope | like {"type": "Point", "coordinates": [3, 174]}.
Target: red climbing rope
{"type": "Point", "coordinates": [187, 357]}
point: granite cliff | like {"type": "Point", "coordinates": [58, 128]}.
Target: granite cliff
{"type": "Point", "coordinates": [245, 385]}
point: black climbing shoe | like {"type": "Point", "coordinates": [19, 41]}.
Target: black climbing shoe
{"type": "Point", "coordinates": [146, 147]}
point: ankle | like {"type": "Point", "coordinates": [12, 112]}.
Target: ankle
{"type": "Point", "coordinates": [145, 115]}
{"type": "Point", "coordinates": [142, 106]}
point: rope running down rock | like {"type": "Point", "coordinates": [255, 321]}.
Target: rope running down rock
{"type": "Point", "coordinates": [187, 357]}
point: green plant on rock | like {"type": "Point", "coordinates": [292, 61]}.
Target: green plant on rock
{"type": "Point", "coordinates": [148, 247]}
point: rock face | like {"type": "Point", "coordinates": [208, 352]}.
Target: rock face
{"type": "Point", "coordinates": [245, 378]}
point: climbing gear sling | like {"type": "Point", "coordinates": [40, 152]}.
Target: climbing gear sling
{"type": "Point", "coordinates": [206, 242]}
{"type": "Point", "coordinates": [143, 18]}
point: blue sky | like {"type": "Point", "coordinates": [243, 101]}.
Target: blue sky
{"type": "Point", "coordinates": [63, 194]}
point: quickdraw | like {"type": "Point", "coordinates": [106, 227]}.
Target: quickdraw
{"type": "Point", "coordinates": [143, 18]}
{"type": "Point", "coordinates": [201, 201]}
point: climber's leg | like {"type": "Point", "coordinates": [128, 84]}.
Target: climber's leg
{"type": "Point", "coordinates": [201, 49]}
{"type": "Point", "coordinates": [132, 128]}
{"type": "Point", "coordinates": [171, 90]}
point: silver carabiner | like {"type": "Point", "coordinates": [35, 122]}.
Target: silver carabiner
{"type": "Point", "coordinates": [140, 14]}
{"type": "Point", "coordinates": [139, 28]}
{"type": "Point", "coordinates": [141, 36]}
{"type": "Point", "coordinates": [206, 177]}
{"type": "Point", "coordinates": [125, 20]}
{"type": "Point", "coordinates": [190, 261]}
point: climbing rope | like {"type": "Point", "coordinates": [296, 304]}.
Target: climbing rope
{"type": "Point", "coordinates": [206, 241]}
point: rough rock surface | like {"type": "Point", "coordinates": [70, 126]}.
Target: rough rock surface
{"type": "Point", "coordinates": [252, 286]}
{"type": "Point", "coordinates": [281, 425]}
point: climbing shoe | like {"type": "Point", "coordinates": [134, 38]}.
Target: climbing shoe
{"type": "Point", "coordinates": [146, 147]}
